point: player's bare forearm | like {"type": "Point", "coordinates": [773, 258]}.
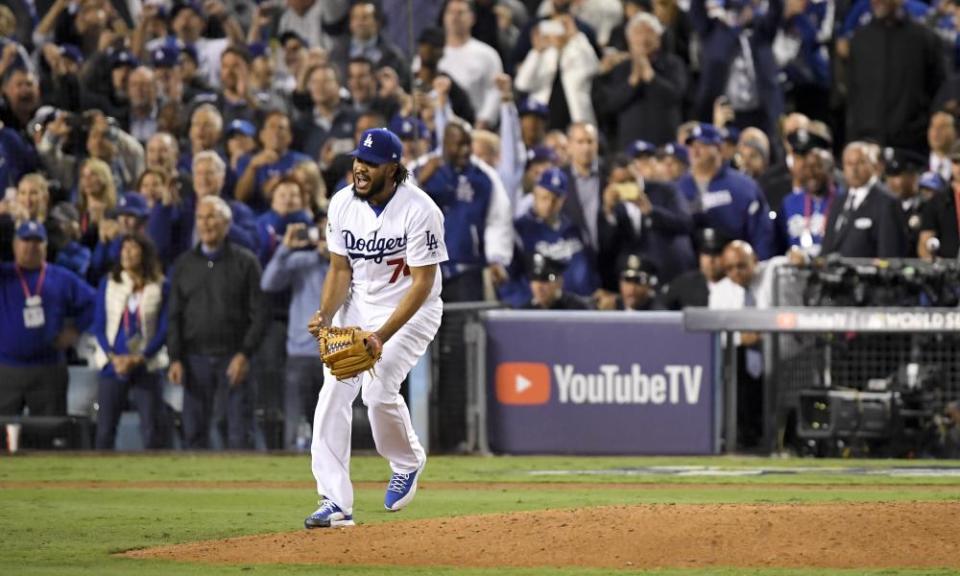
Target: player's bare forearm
{"type": "Point", "coordinates": [422, 277]}
{"type": "Point", "coordinates": [336, 286]}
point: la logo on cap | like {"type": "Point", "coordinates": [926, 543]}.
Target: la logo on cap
{"type": "Point", "coordinates": [33, 226]}
{"type": "Point", "coordinates": [369, 141]}
{"type": "Point", "coordinates": [556, 180]}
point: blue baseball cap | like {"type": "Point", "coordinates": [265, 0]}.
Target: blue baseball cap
{"type": "Point", "coordinates": [124, 58]}
{"type": "Point", "coordinates": [554, 180]}
{"type": "Point", "coordinates": [706, 133]}
{"type": "Point", "coordinates": [541, 154]}
{"type": "Point", "coordinates": [678, 151]}
{"type": "Point", "coordinates": [132, 204]}
{"type": "Point", "coordinates": [240, 126]}
{"type": "Point", "coordinates": [166, 56]}
{"type": "Point", "coordinates": [932, 181]}
{"type": "Point", "coordinates": [409, 128]}
{"type": "Point", "coordinates": [730, 134]}
{"type": "Point", "coordinates": [534, 107]}
{"type": "Point", "coordinates": [378, 146]}
{"type": "Point", "coordinates": [257, 49]}
{"type": "Point", "coordinates": [72, 52]}
{"type": "Point", "coordinates": [641, 148]}
{"type": "Point", "coordinates": [32, 230]}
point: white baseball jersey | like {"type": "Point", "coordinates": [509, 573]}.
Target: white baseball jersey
{"type": "Point", "coordinates": [380, 248]}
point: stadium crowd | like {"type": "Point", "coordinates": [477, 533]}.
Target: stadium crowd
{"type": "Point", "coordinates": [167, 165]}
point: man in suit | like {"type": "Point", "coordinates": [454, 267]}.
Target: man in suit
{"type": "Point", "coordinates": [603, 226]}
{"type": "Point", "coordinates": [867, 222]}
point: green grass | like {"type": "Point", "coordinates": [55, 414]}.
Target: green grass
{"type": "Point", "coordinates": [73, 531]}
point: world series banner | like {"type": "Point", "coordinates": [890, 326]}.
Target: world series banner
{"type": "Point", "coordinates": [598, 383]}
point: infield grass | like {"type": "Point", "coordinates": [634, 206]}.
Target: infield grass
{"type": "Point", "coordinates": [73, 531]}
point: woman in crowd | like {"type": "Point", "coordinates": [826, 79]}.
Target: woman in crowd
{"type": "Point", "coordinates": [130, 325]}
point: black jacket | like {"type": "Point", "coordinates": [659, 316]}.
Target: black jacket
{"type": "Point", "coordinates": [648, 112]}
{"type": "Point", "coordinates": [666, 234]}
{"type": "Point", "coordinates": [874, 230]}
{"type": "Point", "coordinates": [216, 306]}
{"type": "Point", "coordinates": [687, 290]}
{"type": "Point", "coordinates": [939, 215]}
{"type": "Point", "coordinates": [893, 73]}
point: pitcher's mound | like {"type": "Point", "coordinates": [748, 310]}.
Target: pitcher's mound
{"type": "Point", "coordinates": [881, 535]}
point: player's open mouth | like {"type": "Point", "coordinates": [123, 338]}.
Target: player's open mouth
{"type": "Point", "coordinates": [361, 181]}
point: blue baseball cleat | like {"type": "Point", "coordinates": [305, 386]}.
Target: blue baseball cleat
{"type": "Point", "coordinates": [328, 515]}
{"type": "Point", "coordinates": [401, 489]}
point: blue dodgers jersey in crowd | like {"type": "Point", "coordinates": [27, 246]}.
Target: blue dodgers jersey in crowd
{"type": "Point", "coordinates": [561, 243]}
{"type": "Point", "coordinates": [464, 199]}
{"type": "Point", "coordinates": [803, 213]}
{"type": "Point", "coordinates": [63, 295]}
{"type": "Point", "coordinates": [285, 164]}
{"type": "Point", "coordinates": [271, 227]}
{"type": "Point", "coordinates": [171, 228]}
{"type": "Point", "coordinates": [734, 205]}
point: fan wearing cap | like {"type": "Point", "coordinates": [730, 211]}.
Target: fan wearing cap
{"type": "Point", "coordinates": [674, 161]}
{"type": "Point", "coordinates": [546, 230]}
{"type": "Point", "coordinates": [546, 286]}
{"type": "Point", "coordinates": [43, 309]}
{"type": "Point", "coordinates": [386, 242]}
{"type": "Point", "coordinates": [868, 221]}
{"type": "Point", "coordinates": [415, 135]}
{"type": "Point", "coordinates": [693, 288]}
{"type": "Point", "coordinates": [802, 215]}
{"type": "Point", "coordinates": [638, 284]}
{"type": "Point", "coordinates": [901, 174]}
{"type": "Point", "coordinates": [129, 217]}
{"type": "Point", "coordinates": [533, 122]}
{"type": "Point", "coordinates": [539, 159]}
{"type": "Point", "coordinates": [240, 139]}
{"type": "Point", "coordinates": [723, 198]}
{"type": "Point", "coordinates": [478, 231]}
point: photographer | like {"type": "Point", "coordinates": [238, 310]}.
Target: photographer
{"type": "Point", "coordinates": [60, 148]}
{"type": "Point", "coordinates": [300, 264]}
{"type": "Point", "coordinates": [561, 56]}
{"type": "Point", "coordinates": [286, 207]}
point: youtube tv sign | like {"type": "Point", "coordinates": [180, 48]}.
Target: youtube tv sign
{"type": "Point", "coordinates": [598, 383]}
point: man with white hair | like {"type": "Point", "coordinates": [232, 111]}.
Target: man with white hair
{"type": "Point", "coordinates": [172, 225]}
{"type": "Point", "coordinates": [866, 222]}
{"type": "Point", "coordinates": [216, 322]}
{"type": "Point", "coordinates": [643, 95]}
{"type": "Point", "coordinates": [144, 103]}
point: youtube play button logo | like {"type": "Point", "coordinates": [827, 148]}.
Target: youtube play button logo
{"type": "Point", "coordinates": [523, 383]}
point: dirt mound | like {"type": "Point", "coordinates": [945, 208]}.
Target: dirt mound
{"type": "Point", "coordinates": [884, 535]}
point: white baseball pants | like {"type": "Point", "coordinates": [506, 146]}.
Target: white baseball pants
{"type": "Point", "coordinates": [389, 416]}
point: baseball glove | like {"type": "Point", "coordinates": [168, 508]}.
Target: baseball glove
{"type": "Point", "coordinates": [348, 351]}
